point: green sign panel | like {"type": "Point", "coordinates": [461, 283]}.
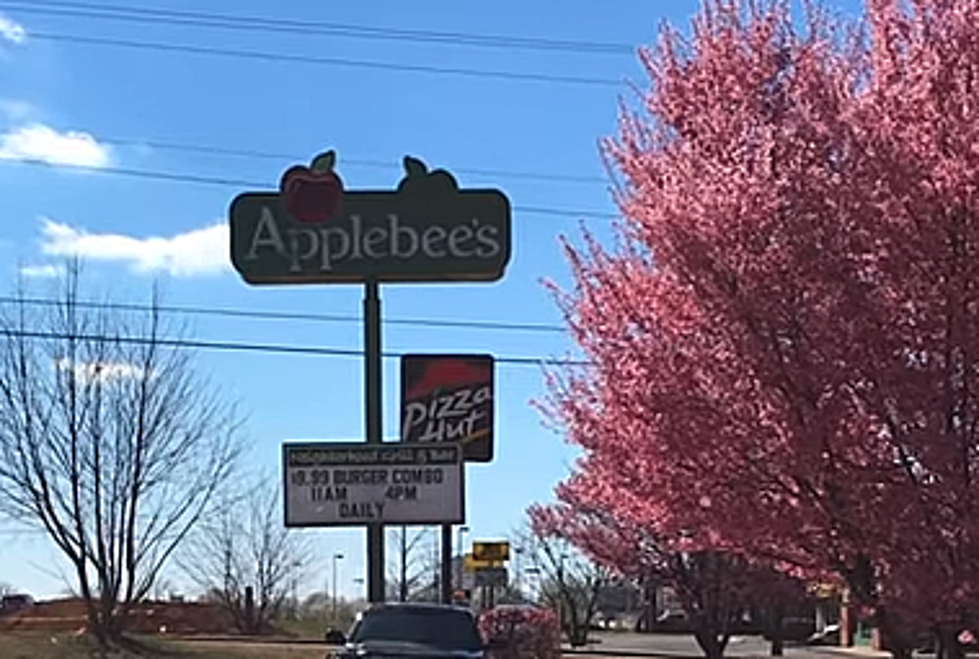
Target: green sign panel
{"type": "Point", "coordinates": [312, 231]}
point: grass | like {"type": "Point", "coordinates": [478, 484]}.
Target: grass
{"type": "Point", "coordinates": [246, 650]}
{"type": "Point", "coordinates": [313, 628]}
{"type": "Point", "coordinates": [14, 645]}
{"type": "Point", "coordinates": [44, 646]}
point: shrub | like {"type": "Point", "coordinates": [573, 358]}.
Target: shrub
{"type": "Point", "coordinates": [521, 632]}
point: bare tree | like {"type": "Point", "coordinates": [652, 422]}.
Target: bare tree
{"type": "Point", "coordinates": [569, 582]}
{"type": "Point", "coordinates": [318, 607]}
{"type": "Point", "coordinates": [110, 441]}
{"type": "Point", "coordinates": [245, 558]}
{"type": "Point", "coordinates": [412, 576]}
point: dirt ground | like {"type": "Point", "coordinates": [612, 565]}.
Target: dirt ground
{"type": "Point", "coordinates": [56, 630]}
{"type": "Point", "coordinates": [68, 615]}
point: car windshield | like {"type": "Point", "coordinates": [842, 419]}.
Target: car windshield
{"type": "Point", "coordinates": [445, 629]}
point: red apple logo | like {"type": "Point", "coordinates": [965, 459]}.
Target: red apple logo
{"type": "Point", "coordinates": [312, 194]}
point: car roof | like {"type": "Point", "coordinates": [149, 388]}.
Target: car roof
{"type": "Point", "coordinates": [418, 606]}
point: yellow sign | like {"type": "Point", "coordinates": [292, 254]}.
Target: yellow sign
{"type": "Point", "coordinates": [470, 564]}
{"type": "Point", "coordinates": [491, 551]}
{"type": "Point", "coordinates": [825, 590]}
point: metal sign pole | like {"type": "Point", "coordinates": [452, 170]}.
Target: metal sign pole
{"type": "Point", "coordinates": [446, 564]}
{"type": "Point", "coordinates": [373, 405]}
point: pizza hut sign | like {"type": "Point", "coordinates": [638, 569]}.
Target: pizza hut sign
{"type": "Point", "coordinates": [449, 398]}
{"type": "Point", "coordinates": [314, 231]}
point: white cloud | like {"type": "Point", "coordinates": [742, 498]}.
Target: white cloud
{"type": "Point", "coordinates": [46, 271]}
{"type": "Point", "coordinates": [40, 143]}
{"type": "Point", "coordinates": [11, 30]}
{"type": "Point", "coordinates": [198, 252]}
{"type": "Point", "coordinates": [88, 372]}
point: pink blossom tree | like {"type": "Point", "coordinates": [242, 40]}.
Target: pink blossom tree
{"type": "Point", "coordinates": [783, 344]}
{"type": "Point", "coordinates": [716, 588]}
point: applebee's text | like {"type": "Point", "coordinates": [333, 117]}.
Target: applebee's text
{"type": "Point", "coordinates": [454, 416]}
{"type": "Point", "coordinates": [323, 247]}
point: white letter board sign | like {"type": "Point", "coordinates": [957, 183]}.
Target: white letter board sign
{"type": "Point", "coordinates": [357, 484]}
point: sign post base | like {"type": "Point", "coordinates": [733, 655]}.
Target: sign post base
{"type": "Point", "coordinates": [447, 585]}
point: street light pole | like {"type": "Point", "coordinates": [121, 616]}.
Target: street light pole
{"type": "Point", "coordinates": [462, 554]}
{"type": "Point", "coordinates": [518, 567]}
{"type": "Point", "coordinates": [336, 557]}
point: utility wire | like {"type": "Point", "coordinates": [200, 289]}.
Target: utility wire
{"type": "Point", "coordinates": [267, 24]}
{"type": "Point", "coordinates": [214, 150]}
{"type": "Point", "coordinates": [253, 347]}
{"type": "Point", "coordinates": [289, 315]}
{"type": "Point", "coordinates": [291, 157]}
{"type": "Point", "coordinates": [517, 76]}
{"type": "Point", "coordinates": [256, 185]}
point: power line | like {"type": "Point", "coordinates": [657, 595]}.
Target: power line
{"type": "Point", "coordinates": [517, 76]}
{"type": "Point", "coordinates": [289, 315]}
{"type": "Point", "coordinates": [253, 347]}
{"type": "Point", "coordinates": [291, 157]}
{"type": "Point", "coordinates": [147, 15]}
{"type": "Point", "coordinates": [256, 185]}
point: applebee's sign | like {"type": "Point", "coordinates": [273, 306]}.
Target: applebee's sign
{"type": "Point", "coordinates": [312, 231]}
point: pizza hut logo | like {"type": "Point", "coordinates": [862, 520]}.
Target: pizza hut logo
{"type": "Point", "coordinates": [449, 398]}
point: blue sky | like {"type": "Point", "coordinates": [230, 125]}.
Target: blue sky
{"type": "Point", "coordinates": [65, 102]}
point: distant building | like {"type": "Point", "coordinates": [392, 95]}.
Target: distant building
{"type": "Point", "coordinates": [461, 579]}
{"type": "Point", "coordinates": [15, 602]}
{"type": "Point", "coordinates": [621, 597]}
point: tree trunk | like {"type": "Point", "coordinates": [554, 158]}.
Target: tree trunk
{"type": "Point", "coordinates": [114, 617]}
{"type": "Point", "coordinates": [894, 638]}
{"type": "Point", "coordinates": [579, 635]}
{"type": "Point", "coordinates": [97, 629]}
{"type": "Point", "coordinates": [249, 610]}
{"type": "Point", "coordinates": [711, 643]}
{"type": "Point", "coordinates": [948, 646]}
{"type": "Point", "coordinates": [104, 625]}
{"type": "Point", "coordinates": [577, 629]}
{"type": "Point", "coordinates": [648, 617]}
{"type": "Point", "coordinates": [776, 630]}
{"type": "Point", "coordinates": [901, 652]}
{"type": "Point", "coordinates": [98, 625]}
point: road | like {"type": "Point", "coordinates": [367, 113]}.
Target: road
{"type": "Point", "coordinates": [681, 645]}
{"type": "Point", "coordinates": [607, 646]}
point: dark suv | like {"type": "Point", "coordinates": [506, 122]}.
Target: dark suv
{"type": "Point", "coordinates": [414, 630]}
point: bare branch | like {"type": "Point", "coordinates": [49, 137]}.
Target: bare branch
{"type": "Point", "coordinates": [246, 546]}
{"type": "Point", "coordinates": [114, 448]}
